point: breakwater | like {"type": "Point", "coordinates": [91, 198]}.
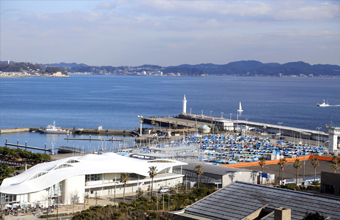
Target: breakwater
{"type": "Point", "coordinates": [193, 122]}
{"type": "Point", "coordinates": [73, 131]}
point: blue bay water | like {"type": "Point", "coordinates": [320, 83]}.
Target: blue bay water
{"type": "Point", "coordinates": [89, 101]}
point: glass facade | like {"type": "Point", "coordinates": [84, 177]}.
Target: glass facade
{"type": "Point", "coordinates": [55, 190]}
{"type": "Point", "coordinates": [8, 198]}
{"type": "Point", "coordinates": [94, 177]}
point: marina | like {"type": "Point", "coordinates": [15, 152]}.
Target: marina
{"type": "Point", "coordinates": [227, 142]}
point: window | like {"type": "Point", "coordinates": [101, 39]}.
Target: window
{"type": "Point", "coordinates": [62, 166]}
{"type": "Point", "coordinates": [94, 177]}
{"type": "Point", "coordinates": [37, 175]}
{"type": "Point", "coordinates": [72, 161]}
{"type": "Point", "coordinates": [160, 161]}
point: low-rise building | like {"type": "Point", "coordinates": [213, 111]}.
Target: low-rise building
{"type": "Point", "coordinates": [251, 201]}
{"type": "Point", "coordinates": [330, 183]}
{"type": "Point", "coordinates": [219, 176]}
{"type": "Point", "coordinates": [92, 175]}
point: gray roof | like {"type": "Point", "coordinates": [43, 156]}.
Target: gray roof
{"type": "Point", "coordinates": [240, 199]}
{"type": "Point", "coordinates": [214, 169]}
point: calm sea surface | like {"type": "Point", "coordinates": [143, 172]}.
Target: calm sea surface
{"type": "Point", "coordinates": [114, 102]}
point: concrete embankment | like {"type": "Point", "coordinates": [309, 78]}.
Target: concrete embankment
{"type": "Point", "coordinates": [101, 131]}
{"type": "Point", "coordinates": [72, 131]}
{"type": "Point", "coordinates": [14, 130]}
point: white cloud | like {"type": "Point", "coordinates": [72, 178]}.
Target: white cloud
{"type": "Point", "coordinates": [173, 32]}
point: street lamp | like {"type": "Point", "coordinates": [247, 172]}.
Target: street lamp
{"type": "Point", "coordinates": [141, 122]}
{"type": "Point", "coordinates": [246, 125]}
{"type": "Point", "coordinates": [222, 114]}
{"type": "Point", "coordinates": [318, 128]}
{"type": "Point", "coordinates": [57, 205]}
{"type": "Point", "coordinates": [280, 123]}
{"type": "Point", "coordinates": [190, 111]}
{"type": "Point", "coordinates": [210, 113]}
{"type": "Point", "coordinates": [237, 120]}
{"type": "Point", "coordinates": [231, 115]}
{"type": "Point", "coordinates": [202, 112]}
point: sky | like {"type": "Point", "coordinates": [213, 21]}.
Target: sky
{"type": "Point", "coordinates": [170, 32]}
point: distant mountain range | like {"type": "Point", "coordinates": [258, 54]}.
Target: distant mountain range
{"type": "Point", "coordinates": [240, 68]}
{"type": "Point", "coordinates": [253, 68]}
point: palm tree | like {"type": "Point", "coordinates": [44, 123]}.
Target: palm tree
{"type": "Point", "coordinates": [152, 173]}
{"type": "Point", "coordinates": [335, 166]}
{"type": "Point", "coordinates": [153, 123]}
{"type": "Point", "coordinates": [297, 165]}
{"type": "Point", "coordinates": [199, 172]}
{"type": "Point", "coordinates": [124, 179]}
{"type": "Point", "coordinates": [175, 125]}
{"type": "Point", "coordinates": [315, 163]}
{"type": "Point", "coordinates": [335, 159]}
{"type": "Point", "coordinates": [262, 162]}
{"type": "Point", "coordinates": [156, 126]}
{"type": "Point", "coordinates": [282, 163]}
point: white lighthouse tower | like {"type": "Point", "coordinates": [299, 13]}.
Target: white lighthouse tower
{"type": "Point", "coordinates": [333, 133]}
{"type": "Point", "coordinates": [184, 105]}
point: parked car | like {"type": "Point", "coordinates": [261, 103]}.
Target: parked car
{"type": "Point", "coordinates": [164, 189]}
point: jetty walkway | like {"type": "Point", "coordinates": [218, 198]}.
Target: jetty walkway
{"type": "Point", "coordinates": [74, 131]}
{"type": "Point", "coordinates": [193, 122]}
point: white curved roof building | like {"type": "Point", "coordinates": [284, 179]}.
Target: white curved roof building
{"type": "Point", "coordinates": [90, 175]}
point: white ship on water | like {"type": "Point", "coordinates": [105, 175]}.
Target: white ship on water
{"type": "Point", "coordinates": [52, 129]}
{"type": "Point", "coordinates": [240, 110]}
{"type": "Point", "coordinates": [323, 104]}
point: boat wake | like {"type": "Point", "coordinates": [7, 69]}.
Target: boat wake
{"type": "Point", "coordinates": [334, 105]}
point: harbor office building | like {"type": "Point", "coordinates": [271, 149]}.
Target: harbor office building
{"type": "Point", "coordinates": [71, 179]}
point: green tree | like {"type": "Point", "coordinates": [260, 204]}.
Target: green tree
{"type": "Point", "coordinates": [313, 216]}
{"type": "Point", "coordinates": [262, 162]}
{"type": "Point", "coordinates": [282, 163]}
{"type": "Point", "coordinates": [124, 179]}
{"type": "Point", "coordinates": [152, 173]}
{"type": "Point", "coordinates": [335, 166]}
{"type": "Point", "coordinates": [5, 171]}
{"type": "Point", "coordinates": [199, 171]}
{"type": "Point", "coordinates": [297, 165]}
{"type": "Point", "coordinates": [46, 157]}
{"type": "Point", "coordinates": [315, 163]}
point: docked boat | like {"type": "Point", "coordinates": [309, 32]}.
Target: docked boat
{"type": "Point", "coordinates": [52, 129]}
{"type": "Point", "coordinates": [323, 104]}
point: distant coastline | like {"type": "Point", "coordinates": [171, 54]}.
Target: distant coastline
{"type": "Point", "coordinates": [23, 75]}
{"type": "Point", "coordinates": [251, 68]}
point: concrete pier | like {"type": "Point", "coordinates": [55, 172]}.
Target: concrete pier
{"type": "Point", "coordinates": [72, 131]}
{"type": "Point", "coordinates": [14, 130]}
{"type": "Point", "coordinates": [195, 121]}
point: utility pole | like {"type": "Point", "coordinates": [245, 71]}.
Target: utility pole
{"type": "Point", "coordinates": [318, 128]}
{"type": "Point", "coordinates": [280, 123]}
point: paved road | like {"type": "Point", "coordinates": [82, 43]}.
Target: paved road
{"type": "Point", "coordinates": [290, 172]}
